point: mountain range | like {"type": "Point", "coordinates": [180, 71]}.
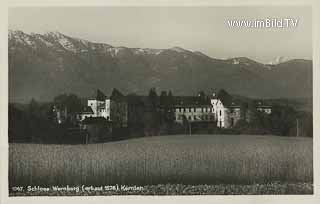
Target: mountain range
{"type": "Point", "coordinates": [42, 66]}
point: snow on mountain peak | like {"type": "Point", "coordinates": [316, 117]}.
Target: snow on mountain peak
{"type": "Point", "coordinates": [147, 51]}
{"type": "Point", "coordinates": [13, 33]}
{"type": "Point", "coordinates": [21, 37]}
{"type": "Point", "coordinates": [235, 61]}
{"type": "Point", "coordinates": [178, 49]}
{"type": "Point", "coordinates": [62, 40]}
{"type": "Point", "coordinates": [54, 34]}
{"type": "Point", "coordinates": [43, 40]}
{"type": "Point", "coordinates": [278, 60]}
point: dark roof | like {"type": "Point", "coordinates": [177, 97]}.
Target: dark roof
{"type": "Point", "coordinates": [234, 103]}
{"type": "Point", "coordinates": [177, 100]}
{"type": "Point", "coordinates": [191, 101]}
{"type": "Point", "coordinates": [84, 109]}
{"type": "Point", "coordinates": [100, 96]}
{"type": "Point", "coordinates": [137, 100]}
{"type": "Point", "coordinates": [262, 104]}
{"type": "Point", "coordinates": [87, 109]}
{"type": "Point", "coordinates": [95, 120]}
{"type": "Point", "coordinates": [116, 95]}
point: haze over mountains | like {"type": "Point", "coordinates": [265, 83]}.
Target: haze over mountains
{"type": "Point", "coordinates": [42, 66]}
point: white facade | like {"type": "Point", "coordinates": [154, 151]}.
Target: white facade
{"type": "Point", "coordinates": [215, 112]}
{"type": "Point", "coordinates": [218, 110]}
{"type": "Point", "coordinates": [100, 108]}
{"type": "Point", "coordinates": [193, 113]}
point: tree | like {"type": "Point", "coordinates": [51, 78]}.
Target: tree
{"type": "Point", "coordinates": [153, 97]}
{"type": "Point", "coordinates": [186, 124]}
{"type": "Point", "coordinates": [152, 114]}
{"type": "Point", "coordinates": [60, 101]}
{"type": "Point", "coordinates": [118, 113]}
{"type": "Point", "coordinates": [167, 115]}
{"type": "Point", "coordinates": [74, 103]}
{"type": "Point", "coordinates": [202, 96]}
{"type": "Point", "coordinates": [33, 107]}
{"type": "Point", "coordinates": [163, 98]}
{"type": "Point", "coordinates": [170, 100]}
{"type": "Point", "coordinates": [71, 102]}
{"type": "Point", "coordinates": [283, 118]}
{"type": "Point", "coordinates": [243, 110]}
{"type": "Point", "coordinates": [171, 112]}
{"type": "Point", "coordinates": [305, 124]}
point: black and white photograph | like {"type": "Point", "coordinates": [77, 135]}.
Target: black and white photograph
{"type": "Point", "coordinates": [160, 101]}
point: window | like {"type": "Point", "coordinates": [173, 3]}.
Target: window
{"type": "Point", "coordinates": [190, 110]}
{"type": "Point", "coordinates": [189, 117]}
{"type": "Point", "coordinates": [194, 109]}
{"type": "Point", "coordinates": [194, 117]}
{"type": "Point", "coordinates": [220, 113]}
{"type": "Point", "coordinates": [184, 109]}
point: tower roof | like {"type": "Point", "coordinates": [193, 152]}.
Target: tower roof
{"type": "Point", "coordinates": [116, 95]}
{"type": "Point", "coordinates": [100, 96]}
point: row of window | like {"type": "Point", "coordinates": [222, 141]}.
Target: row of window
{"type": "Point", "coordinates": [203, 117]}
{"type": "Point", "coordinates": [183, 110]}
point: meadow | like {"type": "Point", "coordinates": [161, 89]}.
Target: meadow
{"type": "Point", "coordinates": [179, 159]}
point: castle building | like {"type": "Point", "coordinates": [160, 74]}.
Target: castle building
{"type": "Point", "coordinates": [125, 110]}
{"type": "Point", "coordinates": [192, 108]}
{"type": "Point", "coordinates": [114, 108]}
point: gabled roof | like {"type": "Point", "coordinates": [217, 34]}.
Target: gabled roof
{"type": "Point", "coordinates": [87, 109]}
{"type": "Point", "coordinates": [116, 95]}
{"type": "Point", "coordinates": [100, 96]}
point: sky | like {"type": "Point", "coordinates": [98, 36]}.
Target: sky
{"type": "Point", "coordinates": [202, 29]}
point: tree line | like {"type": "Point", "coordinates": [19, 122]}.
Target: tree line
{"type": "Point", "coordinates": [34, 122]}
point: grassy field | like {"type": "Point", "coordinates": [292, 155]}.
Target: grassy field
{"type": "Point", "coordinates": [180, 159]}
